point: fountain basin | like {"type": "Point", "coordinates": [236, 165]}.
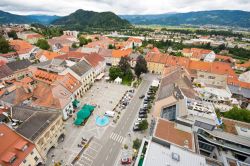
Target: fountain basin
{"type": "Point", "coordinates": [102, 121]}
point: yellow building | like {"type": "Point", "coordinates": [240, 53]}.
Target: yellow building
{"type": "Point", "coordinates": [44, 128]}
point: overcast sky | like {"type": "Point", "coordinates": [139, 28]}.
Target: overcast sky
{"type": "Point", "coordinates": [64, 7]}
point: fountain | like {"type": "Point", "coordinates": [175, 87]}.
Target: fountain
{"type": "Point", "coordinates": [102, 120]}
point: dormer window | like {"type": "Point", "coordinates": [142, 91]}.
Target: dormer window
{"type": "Point", "coordinates": [24, 147]}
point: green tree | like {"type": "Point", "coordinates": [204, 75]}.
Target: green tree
{"type": "Point", "coordinates": [4, 45]}
{"type": "Point", "coordinates": [12, 34]}
{"type": "Point", "coordinates": [43, 44]}
{"type": "Point", "coordinates": [84, 41]}
{"type": "Point", "coordinates": [136, 144]}
{"type": "Point", "coordinates": [141, 66]}
{"type": "Point", "coordinates": [238, 114]}
{"type": "Point", "coordinates": [115, 72]}
{"type": "Point", "coordinates": [124, 64]}
{"type": "Point", "coordinates": [74, 45]}
{"type": "Point", "coordinates": [143, 125]}
{"type": "Point", "coordinates": [111, 46]}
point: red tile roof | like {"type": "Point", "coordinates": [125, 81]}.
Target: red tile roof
{"type": "Point", "coordinates": [94, 59]}
{"type": "Point", "coordinates": [48, 54]}
{"type": "Point", "coordinates": [121, 53]}
{"type": "Point", "coordinates": [35, 35]}
{"type": "Point", "coordinates": [244, 65]}
{"type": "Point", "coordinates": [197, 53]}
{"type": "Point", "coordinates": [167, 131]}
{"type": "Point", "coordinates": [10, 145]}
{"type": "Point", "coordinates": [156, 57]}
{"type": "Point", "coordinates": [135, 40]}
{"type": "Point", "coordinates": [21, 46]}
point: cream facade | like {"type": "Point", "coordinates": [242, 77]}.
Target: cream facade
{"type": "Point", "coordinates": [50, 137]}
{"type": "Point", "coordinates": [156, 68]}
{"type": "Point", "coordinates": [33, 158]}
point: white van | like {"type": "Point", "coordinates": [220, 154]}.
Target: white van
{"type": "Point", "coordinates": [110, 113]}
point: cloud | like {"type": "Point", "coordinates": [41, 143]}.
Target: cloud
{"type": "Point", "coordinates": [64, 7]}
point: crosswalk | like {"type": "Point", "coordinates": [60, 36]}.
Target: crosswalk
{"type": "Point", "coordinates": [116, 137]}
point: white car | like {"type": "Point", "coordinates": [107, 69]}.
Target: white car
{"type": "Point", "coordinates": [110, 113]}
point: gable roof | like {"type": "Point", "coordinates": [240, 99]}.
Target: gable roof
{"type": "Point", "coordinates": [48, 54]}
{"type": "Point", "coordinates": [31, 127]}
{"type": "Point", "coordinates": [81, 68]}
{"type": "Point", "coordinates": [19, 65]}
{"type": "Point", "coordinates": [121, 53]}
{"type": "Point", "coordinates": [21, 46]}
{"type": "Point", "coordinates": [11, 145]}
{"type": "Point", "coordinates": [94, 59]}
{"type": "Point", "coordinates": [5, 71]}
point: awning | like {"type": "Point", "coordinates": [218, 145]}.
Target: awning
{"type": "Point", "coordinates": [100, 76]}
{"type": "Point", "coordinates": [88, 107]}
{"type": "Point", "coordinates": [78, 122]}
{"type": "Point", "coordinates": [83, 114]}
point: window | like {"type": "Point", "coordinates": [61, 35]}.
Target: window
{"type": "Point", "coordinates": [211, 77]}
{"type": "Point", "coordinates": [202, 76]}
{"type": "Point", "coordinates": [24, 161]}
{"type": "Point", "coordinates": [32, 153]}
{"type": "Point", "coordinates": [36, 158]}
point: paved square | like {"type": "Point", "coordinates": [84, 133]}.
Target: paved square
{"type": "Point", "coordinates": [106, 96]}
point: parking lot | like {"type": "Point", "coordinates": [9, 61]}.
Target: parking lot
{"type": "Point", "coordinates": [105, 96]}
{"type": "Point", "coordinates": [89, 154]}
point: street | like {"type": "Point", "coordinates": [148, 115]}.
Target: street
{"type": "Point", "coordinates": [110, 150]}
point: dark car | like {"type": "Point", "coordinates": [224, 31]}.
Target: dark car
{"type": "Point", "coordinates": [136, 128]}
{"type": "Point", "coordinates": [143, 115]}
{"type": "Point", "coordinates": [142, 112]}
{"type": "Point", "coordinates": [145, 102]}
{"type": "Point", "coordinates": [142, 96]}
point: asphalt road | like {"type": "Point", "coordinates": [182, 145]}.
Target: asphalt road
{"type": "Point", "coordinates": [110, 150]}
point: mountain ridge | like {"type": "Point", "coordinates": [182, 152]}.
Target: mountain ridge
{"type": "Point", "coordinates": [81, 19]}
{"type": "Point", "coordinates": [233, 18]}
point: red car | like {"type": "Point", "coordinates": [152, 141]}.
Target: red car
{"type": "Point", "coordinates": [126, 161]}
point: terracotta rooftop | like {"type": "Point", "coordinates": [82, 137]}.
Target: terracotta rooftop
{"type": "Point", "coordinates": [156, 57]}
{"type": "Point", "coordinates": [135, 40]}
{"type": "Point", "coordinates": [196, 53]}
{"type": "Point", "coordinates": [21, 46]}
{"type": "Point", "coordinates": [121, 53]}
{"type": "Point", "coordinates": [11, 145]}
{"type": "Point", "coordinates": [245, 65]}
{"type": "Point", "coordinates": [167, 131]}
{"type": "Point", "coordinates": [94, 59]}
{"type": "Point", "coordinates": [48, 54]}
{"type": "Point", "coordinates": [72, 55]}
{"type": "Point", "coordinates": [34, 35]}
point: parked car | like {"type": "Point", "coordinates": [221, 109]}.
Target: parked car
{"type": "Point", "coordinates": [142, 96]}
{"type": "Point", "coordinates": [136, 128]}
{"type": "Point", "coordinates": [126, 161]}
{"type": "Point", "coordinates": [110, 113]}
{"type": "Point", "coordinates": [143, 112]}
{"type": "Point", "coordinates": [143, 115]}
{"type": "Point", "coordinates": [141, 119]}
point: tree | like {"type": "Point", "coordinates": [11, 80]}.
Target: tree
{"type": "Point", "coordinates": [4, 45]}
{"type": "Point", "coordinates": [43, 44]}
{"type": "Point", "coordinates": [111, 46]}
{"type": "Point", "coordinates": [12, 34]}
{"type": "Point", "coordinates": [115, 72]}
{"type": "Point", "coordinates": [84, 41]}
{"type": "Point", "coordinates": [143, 125]}
{"type": "Point", "coordinates": [124, 64]}
{"type": "Point", "coordinates": [238, 114]}
{"type": "Point", "coordinates": [141, 66]}
{"type": "Point", "coordinates": [136, 144]}
{"type": "Point", "coordinates": [74, 45]}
